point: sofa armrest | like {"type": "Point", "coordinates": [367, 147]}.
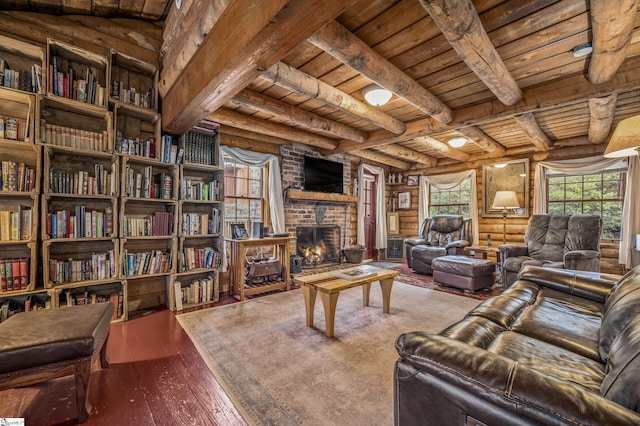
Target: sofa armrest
{"type": "Point", "coordinates": [513, 250]}
{"type": "Point", "coordinates": [442, 379]}
{"type": "Point", "coordinates": [458, 244]}
{"type": "Point", "coordinates": [582, 260]}
{"type": "Point", "coordinates": [415, 241]}
{"type": "Point", "coordinates": [590, 285]}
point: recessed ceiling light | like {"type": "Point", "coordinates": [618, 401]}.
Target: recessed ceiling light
{"type": "Point", "coordinates": [457, 141]}
{"type": "Point", "coordinates": [376, 95]}
{"type": "Point", "coordinates": [582, 49]}
{"type": "Point", "coordinates": [500, 166]}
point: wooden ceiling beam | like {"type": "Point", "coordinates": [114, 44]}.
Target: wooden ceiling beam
{"type": "Point", "coordinates": [442, 148]}
{"type": "Point", "coordinates": [382, 159]}
{"type": "Point", "coordinates": [612, 25]}
{"type": "Point", "coordinates": [481, 139]}
{"type": "Point", "coordinates": [242, 121]}
{"type": "Point", "coordinates": [565, 91]}
{"type": "Point", "coordinates": [408, 154]}
{"type": "Point", "coordinates": [461, 25]}
{"type": "Point", "coordinates": [251, 99]}
{"type": "Point", "coordinates": [346, 47]}
{"type": "Point", "coordinates": [288, 77]}
{"type": "Point", "coordinates": [252, 134]}
{"type": "Point", "coordinates": [601, 111]}
{"type": "Point", "coordinates": [249, 37]}
{"type": "Point", "coordinates": [532, 130]}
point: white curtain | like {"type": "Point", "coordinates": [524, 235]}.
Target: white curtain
{"type": "Point", "coordinates": [578, 166]}
{"type": "Point", "coordinates": [448, 181]}
{"type": "Point", "coordinates": [630, 214]}
{"type": "Point", "coordinates": [381, 209]}
{"type": "Point", "coordinates": [249, 158]}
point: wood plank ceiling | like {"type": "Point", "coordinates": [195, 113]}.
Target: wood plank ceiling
{"type": "Point", "coordinates": [500, 73]}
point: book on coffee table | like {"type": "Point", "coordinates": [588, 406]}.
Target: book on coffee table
{"type": "Point", "coordinates": [355, 273]}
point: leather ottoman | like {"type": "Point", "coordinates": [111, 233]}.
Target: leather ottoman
{"type": "Point", "coordinates": [466, 273]}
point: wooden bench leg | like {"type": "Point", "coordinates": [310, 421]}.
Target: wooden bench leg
{"type": "Point", "coordinates": [83, 374]}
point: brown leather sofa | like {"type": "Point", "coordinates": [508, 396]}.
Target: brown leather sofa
{"type": "Point", "coordinates": [555, 241]}
{"type": "Point", "coordinates": [440, 235]}
{"type": "Point", "coordinates": [557, 347]}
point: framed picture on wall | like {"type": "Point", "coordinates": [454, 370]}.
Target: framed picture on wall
{"type": "Point", "coordinates": [404, 200]}
{"type": "Point", "coordinates": [412, 180]}
{"type": "Point", "coordinates": [507, 176]}
{"type": "Point", "coordinates": [393, 223]}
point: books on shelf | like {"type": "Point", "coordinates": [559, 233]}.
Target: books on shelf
{"type": "Point", "coordinates": [146, 263]}
{"type": "Point", "coordinates": [143, 183]}
{"type": "Point", "coordinates": [14, 274]}
{"type": "Point", "coordinates": [15, 225]}
{"type": "Point", "coordinates": [75, 81]}
{"type": "Point", "coordinates": [17, 177]}
{"type": "Point", "coordinates": [356, 273]}
{"type": "Point", "coordinates": [27, 80]}
{"type": "Point", "coordinates": [201, 223]}
{"type": "Point", "coordinates": [155, 224]}
{"type": "Point", "coordinates": [82, 182]}
{"type": "Point", "coordinates": [200, 189]}
{"type": "Point", "coordinates": [122, 88]}
{"type": "Point", "coordinates": [199, 145]}
{"type": "Point", "coordinates": [194, 258]}
{"type": "Point", "coordinates": [99, 266]}
{"type": "Point", "coordinates": [74, 138]}
{"type": "Point", "coordinates": [140, 147]}
{"type": "Point", "coordinates": [13, 128]}
{"type": "Point", "coordinates": [80, 223]}
{"type": "Point", "coordinates": [201, 290]}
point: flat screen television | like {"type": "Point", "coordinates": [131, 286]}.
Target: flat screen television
{"type": "Point", "coordinates": [322, 175]}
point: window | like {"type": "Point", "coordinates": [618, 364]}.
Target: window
{"type": "Point", "coordinates": [601, 194]}
{"type": "Point", "coordinates": [367, 194]}
{"type": "Point", "coordinates": [244, 194]}
{"type": "Point", "coordinates": [450, 201]}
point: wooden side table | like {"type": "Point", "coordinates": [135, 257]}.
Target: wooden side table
{"type": "Point", "coordinates": [238, 263]}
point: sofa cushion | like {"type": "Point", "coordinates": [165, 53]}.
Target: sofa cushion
{"type": "Point", "coordinates": [583, 233]}
{"type": "Point", "coordinates": [549, 360]}
{"type": "Point", "coordinates": [623, 368]}
{"type": "Point", "coordinates": [620, 308]}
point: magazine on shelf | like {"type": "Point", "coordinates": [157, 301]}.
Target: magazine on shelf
{"type": "Point", "coordinates": [356, 273]}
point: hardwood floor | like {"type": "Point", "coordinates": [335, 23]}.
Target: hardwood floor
{"type": "Point", "coordinates": [155, 377]}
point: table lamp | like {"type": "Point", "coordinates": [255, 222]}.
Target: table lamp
{"type": "Point", "coordinates": [505, 200]}
{"type": "Point", "coordinates": [625, 140]}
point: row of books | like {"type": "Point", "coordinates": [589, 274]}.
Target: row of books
{"type": "Point", "coordinates": [144, 184]}
{"type": "Point", "coordinates": [73, 297]}
{"type": "Point", "coordinates": [29, 80]}
{"type": "Point", "coordinates": [74, 138]}
{"type": "Point", "coordinates": [199, 189]}
{"type": "Point", "coordinates": [13, 129]}
{"type": "Point", "coordinates": [75, 81]}
{"type": "Point", "coordinates": [156, 224]}
{"type": "Point", "coordinates": [131, 95]}
{"type": "Point", "coordinates": [32, 302]}
{"type": "Point", "coordinates": [194, 258]}
{"type": "Point", "coordinates": [80, 223]}
{"type": "Point", "coordinates": [17, 177]}
{"type": "Point", "coordinates": [201, 223]}
{"type": "Point", "coordinates": [138, 146]}
{"type": "Point", "coordinates": [146, 263]}
{"type": "Point", "coordinates": [201, 290]}
{"type": "Point", "coordinates": [199, 147]}
{"type": "Point", "coordinates": [14, 274]}
{"type": "Point", "coordinates": [101, 266]}
{"type": "Point", "coordinates": [169, 152]}
{"type": "Point", "coordinates": [82, 182]}
{"type": "Point", "coordinates": [15, 225]}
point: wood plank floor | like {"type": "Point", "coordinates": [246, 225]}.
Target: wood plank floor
{"type": "Point", "coordinates": [155, 377]}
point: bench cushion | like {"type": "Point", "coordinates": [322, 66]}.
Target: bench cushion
{"type": "Point", "coordinates": [35, 338]}
{"type": "Point", "coordinates": [463, 265]}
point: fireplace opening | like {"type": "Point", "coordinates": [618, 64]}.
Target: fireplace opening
{"type": "Point", "coordinates": [318, 245]}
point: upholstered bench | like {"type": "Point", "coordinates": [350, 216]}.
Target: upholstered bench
{"type": "Point", "coordinates": [37, 346]}
{"type": "Point", "coordinates": [466, 273]}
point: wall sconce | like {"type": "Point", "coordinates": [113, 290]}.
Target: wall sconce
{"type": "Point", "coordinates": [457, 141]}
{"type": "Point", "coordinates": [505, 200]}
{"type": "Point", "coordinates": [376, 95]}
{"type": "Point", "coordinates": [625, 140]}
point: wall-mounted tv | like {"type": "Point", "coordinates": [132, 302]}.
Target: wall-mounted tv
{"type": "Point", "coordinates": [322, 175]}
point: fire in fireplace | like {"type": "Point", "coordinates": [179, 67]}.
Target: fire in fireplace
{"type": "Point", "coordinates": [318, 244]}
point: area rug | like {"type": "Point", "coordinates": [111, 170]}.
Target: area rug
{"type": "Point", "coordinates": [277, 371]}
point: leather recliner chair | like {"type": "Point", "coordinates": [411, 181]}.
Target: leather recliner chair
{"type": "Point", "coordinates": [439, 235]}
{"type": "Point", "coordinates": [555, 241]}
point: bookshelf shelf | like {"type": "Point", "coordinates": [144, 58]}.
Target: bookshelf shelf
{"type": "Point", "coordinates": [137, 131]}
{"type": "Point", "coordinates": [20, 58]}
{"type": "Point", "coordinates": [133, 82]}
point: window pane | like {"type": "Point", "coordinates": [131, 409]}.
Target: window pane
{"type": "Point", "coordinates": [573, 208]}
{"type": "Point", "coordinates": [573, 191]}
{"type": "Point", "coordinates": [256, 189]}
{"type": "Point", "coordinates": [450, 201]}
{"type": "Point", "coordinates": [241, 188]}
{"type": "Point", "coordinates": [256, 173]}
{"type": "Point", "coordinates": [230, 210]}
{"type": "Point", "coordinates": [243, 209]}
{"type": "Point", "coordinates": [556, 208]}
{"type": "Point", "coordinates": [256, 209]}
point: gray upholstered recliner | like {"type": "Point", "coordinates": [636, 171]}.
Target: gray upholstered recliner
{"type": "Point", "coordinates": [555, 241]}
{"type": "Point", "coordinates": [439, 236]}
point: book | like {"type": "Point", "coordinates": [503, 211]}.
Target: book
{"type": "Point", "coordinates": [355, 273]}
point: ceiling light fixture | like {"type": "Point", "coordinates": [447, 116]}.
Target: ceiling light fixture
{"type": "Point", "coordinates": [457, 141]}
{"type": "Point", "coordinates": [625, 140]}
{"type": "Point", "coordinates": [582, 49]}
{"type": "Point", "coordinates": [376, 95]}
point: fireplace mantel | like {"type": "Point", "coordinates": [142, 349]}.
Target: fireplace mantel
{"type": "Point", "coordinates": [296, 194]}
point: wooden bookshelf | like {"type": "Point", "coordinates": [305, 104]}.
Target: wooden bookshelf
{"type": "Point", "coordinates": [133, 82]}
{"type": "Point", "coordinates": [20, 56]}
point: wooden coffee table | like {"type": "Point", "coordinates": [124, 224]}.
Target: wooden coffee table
{"type": "Point", "coordinates": [330, 287]}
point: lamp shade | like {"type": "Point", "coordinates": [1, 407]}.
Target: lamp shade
{"type": "Point", "coordinates": [625, 140]}
{"type": "Point", "coordinates": [505, 200]}
{"type": "Point", "coordinates": [376, 95]}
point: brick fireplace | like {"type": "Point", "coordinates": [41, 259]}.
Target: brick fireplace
{"type": "Point", "coordinates": [335, 218]}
